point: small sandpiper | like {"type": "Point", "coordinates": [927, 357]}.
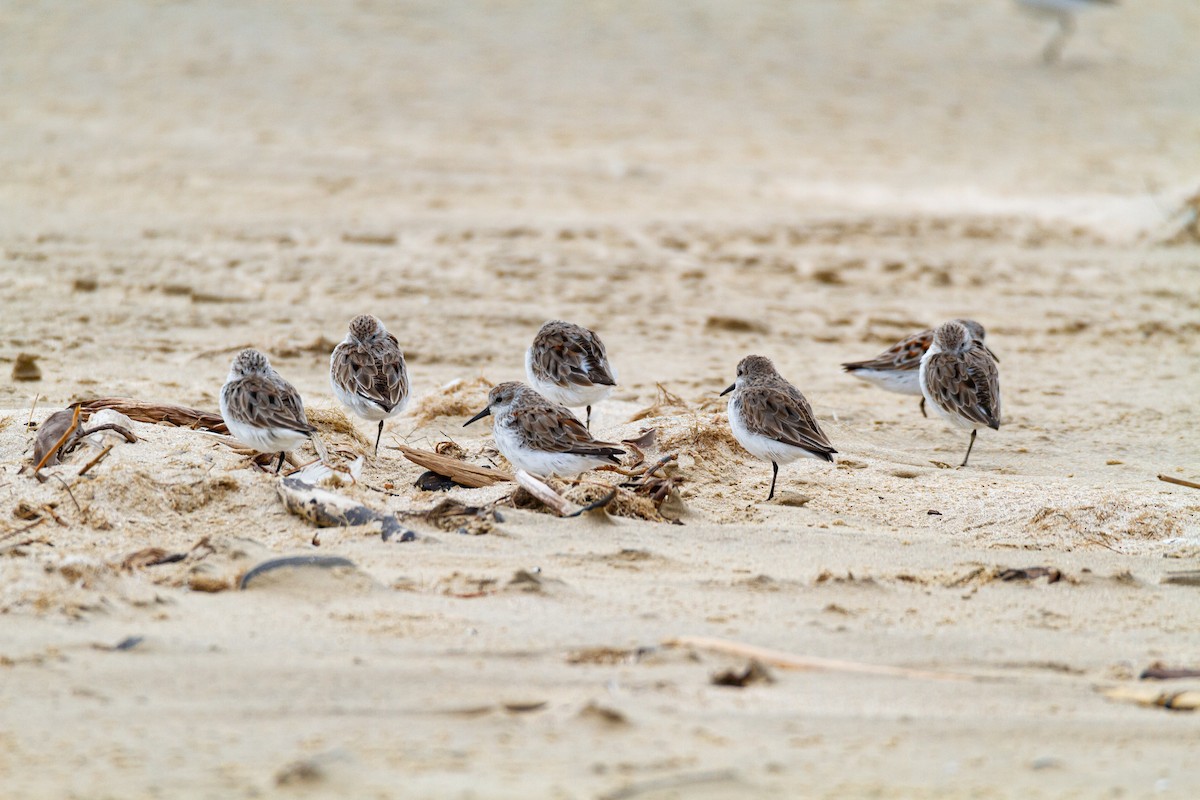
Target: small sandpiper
{"type": "Point", "coordinates": [960, 379]}
{"type": "Point", "coordinates": [540, 436]}
{"type": "Point", "coordinates": [567, 364]}
{"type": "Point", "coordinates": [367, 372]}
{"type": "Point", "coordinates": [261, 409]}
{"type": "Point", "coordinates": [898, 368]}
{"type": "Point", "coordinates": [771, 419]}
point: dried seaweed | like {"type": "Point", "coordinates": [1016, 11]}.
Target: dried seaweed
{"type": "Point", "coordinates": [665, 400]}
{"type": "Point", "coordinates": [754, 672]}
{"type": "Point", "coordinates": [1051, 574]}
{"type": "Point", "coordinates": [457, 517]}
{"type": "Point", "coordinates": [458, 399]}
{"type": "Point", "coordinates": [334, 420]}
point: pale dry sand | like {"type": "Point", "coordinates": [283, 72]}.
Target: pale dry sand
{"type": "Point", "coordinates": [178, 180]}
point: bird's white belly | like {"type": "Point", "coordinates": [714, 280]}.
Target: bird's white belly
{"type": "Point", "coordinates": [571, 396]}
{"type": "Point", "coordinates": [265, 440]}
{"type": "Point", "coordinates": [540, 462]}
{"type": "Point", "coordinates": [1058, 6]}
{"type": "Point", "coordinates": [899, 381]}
{"type": "Point", "coordinates": [764, 447]}
{"type": "Point", "coordinates": [363, 407]}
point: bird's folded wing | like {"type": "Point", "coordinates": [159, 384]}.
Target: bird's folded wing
{"type": "Point", "coordinates": [554, 429]}
{"type": "Point", "coordinates": [270, 403]}
{"type": "Point", "coordinates": [784, 417]}
{"type": "Point", "coordinates": [965, 385]}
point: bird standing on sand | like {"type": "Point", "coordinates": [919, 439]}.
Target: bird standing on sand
{"type": "Point", "coordinates": [898, 368]}
{"type": "Point", "coordinates": [540, 436]}
{"type": "Point", "coordinates": [367, 372]}
{"type": "Point", "coordinates": [261, 409]}
{"type": "Point", "coordinates": [1063, 11]}
{"type": "Point", "coordinates": [567, 364]}
{"type": "Point", "coordinates": [960, 380]}
{"type": "Point", "coordinates": [771, 419]}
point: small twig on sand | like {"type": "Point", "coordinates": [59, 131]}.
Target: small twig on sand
{"type": "Point", "coordinates": [110, 426]}
{"type": "Point", "coordinates": [671, 782]}
{"type": "Point", "coordinates": [95, 461]}
{"type": "Point", "coordinates": [550, 498]}
{"type": "Point", "coordinates": [777, 658]}
{"type": "Point", "coordinates": [556, 502]}
{"type": "Point", "coordinates": [220, 351]}
{"type": "Point", "coordinates": [1179, 481]}
{"type": "Point", "coordinates": [8, 548]}
{"type": "Point", "coordinates": [32, 408]}
{"type": "Point", "coordinates": [19, 531]}
{"type": "Point", "coordinates": [72, 496]}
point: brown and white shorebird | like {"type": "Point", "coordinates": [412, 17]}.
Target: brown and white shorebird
{"type": "Point", "coordinates": [261, 409]}
{"type": "Point", "coordinates": [898, 368]}
{"type": "Point", "coordinates": [960, 379]}
{"type": "Point", "coordinates": [540, 436]}
{"type": "Point", "coordinates": [567, 364]}
{"type": "Point", "coordinates": [367, 372]}
{"type": "Point", "coordinates": [771, 419]}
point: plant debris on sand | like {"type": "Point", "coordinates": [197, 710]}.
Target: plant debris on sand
{"type": "Point", "coordinates": [460, 398]}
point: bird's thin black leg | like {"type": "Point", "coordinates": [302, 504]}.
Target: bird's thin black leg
{"type": "Point", "coordinates": [279, 466]}
{"type": "Point", "coordinates": [923, 414]}
{"type": "Point", "coordinates": [1053, 51]}
{"type": "Point", "coordinates": [378, 436]}
{"type": "Point", "coordinates": [972, 444]}
{"type": "Point", "coordinates": [774, 475]}
{"type": "Point", "coordinates": [589, 418]}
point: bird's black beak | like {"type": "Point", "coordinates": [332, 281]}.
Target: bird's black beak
{"type": "Point", "coordinates": [990, 353]}
{"type": "Point", "coordinates": [732, 386]}
{"type": "Point", "coordinates": [487, 411]}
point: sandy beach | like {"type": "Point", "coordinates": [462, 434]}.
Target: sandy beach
{"type": "Point", "coordinates": [810, 181]}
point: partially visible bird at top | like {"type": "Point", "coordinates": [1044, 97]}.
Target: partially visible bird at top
{"type": "Point", "coordinates": [1063, 12]}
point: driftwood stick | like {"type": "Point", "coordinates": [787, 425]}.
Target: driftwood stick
{"type": "Point", "coordinates": [550, 498]}
{"type": "Point", "coordinates": [95, 460]}
{"type": "Point", "coordinates": [1179, 481]}
{"type": "Point", "coordinates": [70, 494]}
{"type": "Point", "coordinates": [458, 471]}
{"type": "Point", "coordinates": [556, 502]}
{"type": "Point", "coordinates": [156, 413]}
{"type": "Point", "coordinates": [1188, 700]}
{"type": "Point", "coordinates": [782, 660]}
